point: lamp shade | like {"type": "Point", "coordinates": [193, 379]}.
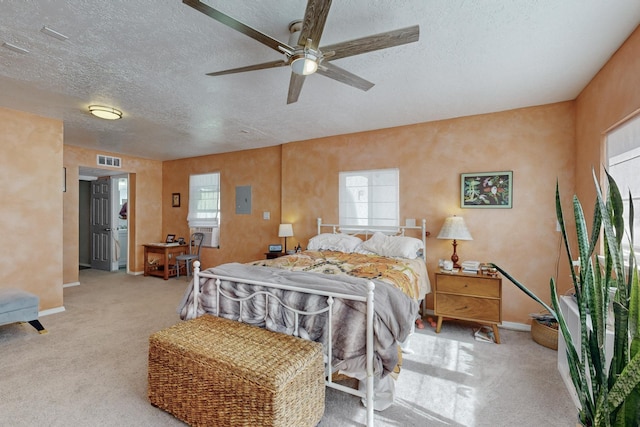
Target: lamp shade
{"type": "Point", "coordinates": [454, 228]}
{"type": "Point", "coordinates": [285, 230]}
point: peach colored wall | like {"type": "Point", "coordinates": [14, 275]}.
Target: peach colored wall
{"type": "Point", "coordinates": [535, 143]}
{"type": "Point", "coordinates": [242, 237]}
{"type": "Point", "coordinates": [31, 175]}
{"type": "Point", "coordinates": [145, 215]}
{"type": "Point", "coordinates": [612, 95]}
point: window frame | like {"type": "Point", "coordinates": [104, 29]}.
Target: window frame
{"type": "Point", "coordinates": [376, 199]}
{"type": "Point", "coordinates": [622, 152]}
{"type": "Point", "coordinates": [200, 218]}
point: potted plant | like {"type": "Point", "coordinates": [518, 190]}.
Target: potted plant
{"type": "Point", "coordinates": [608, 396]}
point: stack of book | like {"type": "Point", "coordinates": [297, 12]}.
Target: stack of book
{"type": "Point", "coordinates": [485, 333]}
{"type": "Point", "coordinates": [470, 267]}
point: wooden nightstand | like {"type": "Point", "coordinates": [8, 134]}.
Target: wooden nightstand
{"type": "Point", "coordinates": [473, 297]}
{"type": "Point", "coordinates": [272, 255]}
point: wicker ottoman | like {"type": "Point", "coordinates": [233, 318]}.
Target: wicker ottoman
{"type": "Point", "coordinates": [217, 372]}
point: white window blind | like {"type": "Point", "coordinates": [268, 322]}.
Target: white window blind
{"type": "Point", "coordinates": [204, 200]}
{"type": "Point", "coordinates": [623, 154]}
{"type": "Point", "coordinates": [369, 198]}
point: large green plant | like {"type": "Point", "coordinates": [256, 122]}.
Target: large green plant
{"type": "Point", "coordinates": [608, 396]}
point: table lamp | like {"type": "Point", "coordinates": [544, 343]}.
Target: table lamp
{"type": "Point", "coordinates": [285, 230]}
{"type": "Point", "coordinates": [454, 229]}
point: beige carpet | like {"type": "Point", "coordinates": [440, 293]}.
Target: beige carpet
{"type": "Point", "coordinates": [90, 369]}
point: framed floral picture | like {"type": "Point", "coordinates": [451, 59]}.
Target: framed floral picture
{"type": "Point", "coordinates": [486, 190]}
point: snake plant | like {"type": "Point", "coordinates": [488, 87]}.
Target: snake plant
{"type": "Point", "coordinates": [608, 396]}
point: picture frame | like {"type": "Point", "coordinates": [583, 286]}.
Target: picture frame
{"type": "Point", "coordinates": [486, 190]}
{"type": "Point", "coordinates": [175, 200]}
{"type": "Point", "coordinates": [171, 238]}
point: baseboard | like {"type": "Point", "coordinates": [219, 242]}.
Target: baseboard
{"type": "Point", "coordinates": [136, 273]}
{"type": "Point", "coordinates": [51, 311]}
{"type": "Point", "coordinates": [513, 326]}
{"type": "Point", "coordinates": [68, 285]}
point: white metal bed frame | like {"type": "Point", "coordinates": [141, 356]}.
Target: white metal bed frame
{"type": "Point", "coordinates": [368, 298]}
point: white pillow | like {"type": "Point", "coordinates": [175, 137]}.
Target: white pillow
{"type": "Point", "coordinates": [334, 242]}
{"type": "Point", "coordinates": [393, 246]}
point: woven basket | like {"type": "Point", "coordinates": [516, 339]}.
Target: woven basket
{"type": "Point", "coordinates": [212, 371]}
{"type": "Point", "coordinates": [544, 335]}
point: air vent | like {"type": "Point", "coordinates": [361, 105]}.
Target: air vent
{"type": "Point", "coordinates": [115, 162]}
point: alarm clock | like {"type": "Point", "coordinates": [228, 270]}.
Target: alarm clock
{"type": "Point", "coordinates": [275, 248]}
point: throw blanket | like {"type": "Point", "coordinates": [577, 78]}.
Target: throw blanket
{"type": "Point", "coordinates": [409, 275]}
{"type": "Point", "coordinates": [393, 318]}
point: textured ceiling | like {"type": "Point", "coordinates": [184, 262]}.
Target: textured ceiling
{"type": "Point", "coordinates": [148, 58]}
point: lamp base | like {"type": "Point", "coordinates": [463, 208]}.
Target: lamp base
{"type": "Point", "coordinates": [454, 257]}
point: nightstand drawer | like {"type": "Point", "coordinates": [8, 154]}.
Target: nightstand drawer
{"type": "Point", "coordinates": [471, 297]}
{"type": "Point", "coordinates": [469, 308]}
{"type": "Point", "coordinates": [469, 285]}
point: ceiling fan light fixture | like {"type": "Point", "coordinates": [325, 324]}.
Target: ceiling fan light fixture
{"type": "Point", "coordinates": [107, 113]}
{"type": "Point", "coordinates": [304, 63]}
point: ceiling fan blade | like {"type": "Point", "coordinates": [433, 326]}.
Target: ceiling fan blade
{"type": "Point", "coordinates": [263, 66]}
{"type": "Point", "coordinates": [238, 26]}
{"type": "Point", "coordinates": [295, 86]}
{"type": "Point", "coordinates": [371, 43]}
{"type": "Point", "coordinates": [315, 16]}
{"type": "Point", "coordinates": [336, 73]}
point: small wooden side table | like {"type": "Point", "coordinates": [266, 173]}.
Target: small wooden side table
{"type": "Point", "coordinates": [272, 255]}
{"type": "Point", "coordinates": [473, 297]}
{"type": "Point", "coordinates": [161, 265]}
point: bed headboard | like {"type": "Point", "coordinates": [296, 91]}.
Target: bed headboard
{"type": "Point", "coordinates": [368, 231]}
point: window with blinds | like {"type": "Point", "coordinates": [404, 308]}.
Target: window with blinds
{"type": "Point", "coordinates": [204, 206]}
{"type": "Point", "coordinates": [369, 198]}
{"type": "Point", "coordinates": [623, 155]}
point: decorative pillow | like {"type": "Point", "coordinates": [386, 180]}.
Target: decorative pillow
{"type": "Point", "coordinates": [393, 246]}
{"type": "Point", "coordinates": [334, 242]}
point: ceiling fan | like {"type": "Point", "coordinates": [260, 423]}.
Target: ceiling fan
{"type": "Point", "coordinates": [303, 52]}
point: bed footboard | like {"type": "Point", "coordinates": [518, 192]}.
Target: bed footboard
{"type": "Point", "coordinates": [368, 299]}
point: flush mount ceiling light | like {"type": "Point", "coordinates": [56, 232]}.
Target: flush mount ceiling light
{"type": "Point", "coordinates": [103, 112]}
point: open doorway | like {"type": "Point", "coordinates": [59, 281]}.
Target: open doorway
{"type": "Point", "coordinates": [84, 218]}
{"type": "Point", "coordinates": [111, 242]}
{"type": "Point", "coordinates": [119, 210]}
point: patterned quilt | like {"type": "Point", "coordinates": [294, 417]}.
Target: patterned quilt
{"type": "Point", "coordinates": [410, 276]}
